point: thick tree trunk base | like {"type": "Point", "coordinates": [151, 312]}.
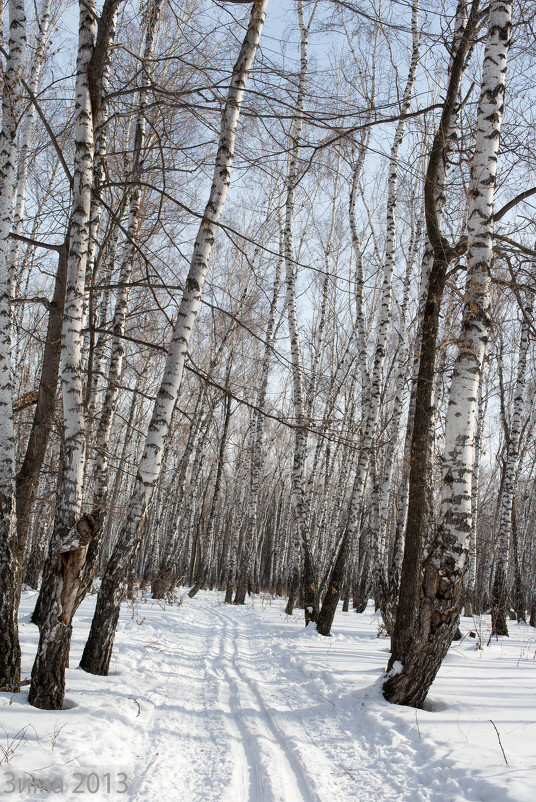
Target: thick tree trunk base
{"type": "Point", "coordinates": [293, 593]}
{"type": "Point", "coordinates": [413, 670]}
{"type": "Point", "coordinates": [360, 604]}
{"type": "Point", "coordinates": [47, 690]}
{"type": "Point", "coordinates": [411, 685]}
{"type": "Point", "coordinates": [10, 655]}
{"type": "Point", "coordinates": [195, 590]}
{"type": "Point", "coordinates": [326, 615]}
{"type": "Point", "coordinates": [333, 594]}
{"type": "Point", "coordinates": [229, 592]}
{"type": "Point", "coordinates": [162, 587]}
{"type": "Point", "coordinates": [240, 594]}
{"type": "Point", "coordinates": [45, 592]}
{"type": "Point", "coordinates": [500, 627]}
{"type": "Point", "coordinates": [98, 649]}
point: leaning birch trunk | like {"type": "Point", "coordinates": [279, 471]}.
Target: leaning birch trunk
{"type": "Point", "coordinates": [439, 605]}
{"type": "Point", "coordinates": [372, 403]}
{"type": "Point", "coordinates": [98, 650]}
{"type": "Point", "coordinates": [72, 534]}
{"type": "Point", "coordinates": [500, 596]}
{"type": "Point", "coordinates": [9, 636]}
{"type": "Point", "coordinates": [101, 467]}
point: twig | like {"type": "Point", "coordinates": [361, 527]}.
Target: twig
{"type": "Point", "coordinates": [136, 702]}
{"type": "Point", "coordinates": [417, 723]}
{"type": "Point", "coordinates": [326, 698]}
{"type": "Point", "coordinates": [500, 742]}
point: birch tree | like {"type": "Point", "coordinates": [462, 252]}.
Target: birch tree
{"type": "Point", "coordinates": [441, 254]}
{"type": "Point", "coordinates": [437, 617]}
{"type": "Point", "coordinates": [98, 650]}
{"type": "Point", "coordinates": [72, 531]}
{"type": "Point", "coordinates": [11, 107]}
{"type": "Point", "coordinates": [102, 438]}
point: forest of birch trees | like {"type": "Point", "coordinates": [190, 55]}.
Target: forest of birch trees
{"type": "Point", "coordinates": [266, 316]}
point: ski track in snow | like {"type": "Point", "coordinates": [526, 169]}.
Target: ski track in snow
{"type": "Point", "coordinates": [211, 703]}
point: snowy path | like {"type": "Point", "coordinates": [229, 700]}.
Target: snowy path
{"type": "Point", "coordinates": [222, 722]}
{"type": "Point", "coordinates": [211, 703]}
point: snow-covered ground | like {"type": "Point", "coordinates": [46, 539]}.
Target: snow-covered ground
{"type": "Point", "coordinates": [211, 702]}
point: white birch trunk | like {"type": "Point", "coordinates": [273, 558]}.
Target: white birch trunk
{"type": "Point", "coordinates": [398, 406]}
{"type": "Point", "coordinates": [70, 501]}
{"type": "Point", "coordinates": [67, 577]}
{"type": "Point", "coordinates": [98, 650]}
{"type": "Point", "coordinates": [459, 433]}
{"type": "Point", "coordinates": [439, 606]}
{"type": "Point", "coordinates": [108, 262]}
{"type": "Point", "coordinates": [9, 638]}
{"type": "Point", "coordinates": [372, 409]}
{"type": "Point", "coordinates": [448, 148]}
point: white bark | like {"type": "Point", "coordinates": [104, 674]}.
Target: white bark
{"type": "Point", "coordinates": [70, 501]}
{"type": "Point", "coordinates": [9, 645]}
{"type": "Point", "coordinates": [98, 649]}
{"type": "Point", "coordinates": [449, 147]}
{"type": "Point", "coordinates": [299, 498]}
{"type": "Point", "coordinates": [456, 511]}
